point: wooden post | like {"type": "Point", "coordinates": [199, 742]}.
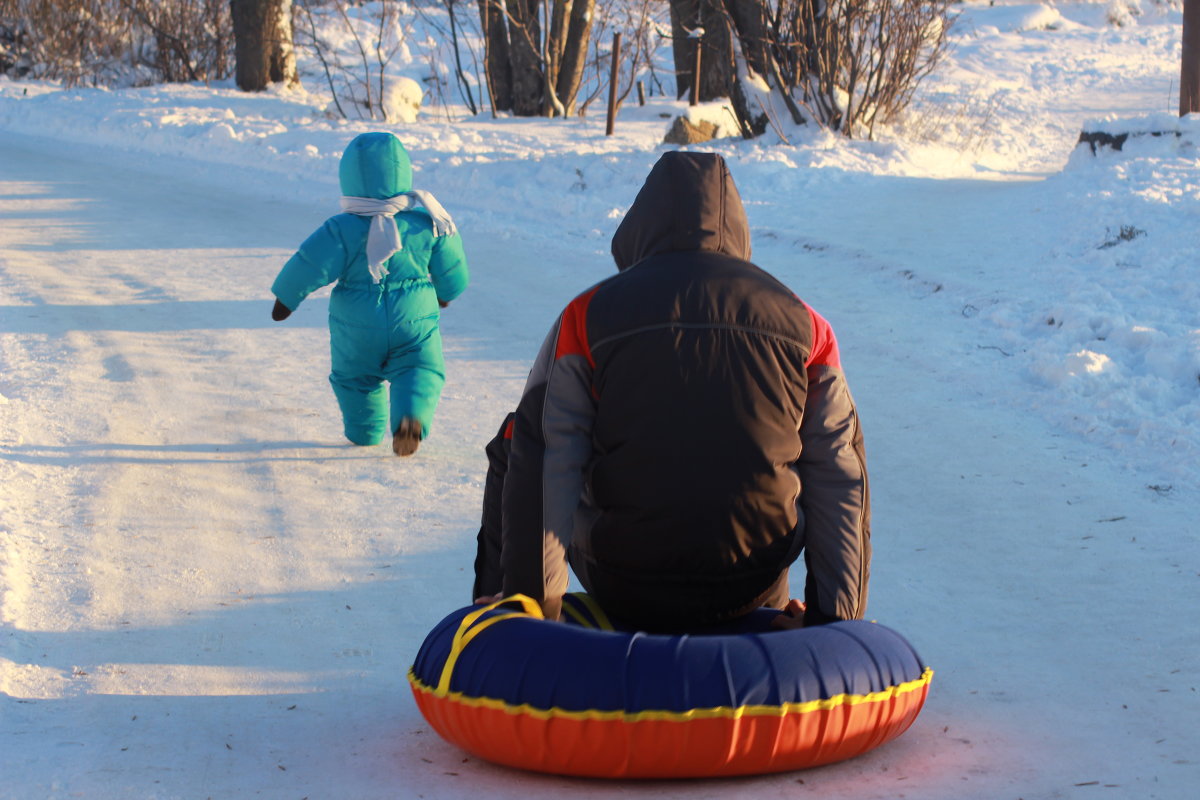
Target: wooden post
{"type": "Point", "coordinates": [1189, 70]}
{"type": "Point", "coordinates": [696, 71]}
{"type": "Point", "coordinates": [641, 93]}
{"type": "Point", "coordinates": [614, 76]}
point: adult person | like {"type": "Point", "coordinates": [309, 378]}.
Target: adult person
{"type": "Point", "coordinates": [685, 433]}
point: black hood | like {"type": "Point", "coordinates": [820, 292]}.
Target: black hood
{"type": "Point", "coordinates": [688, 202]}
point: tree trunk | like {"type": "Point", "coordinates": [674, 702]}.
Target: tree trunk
{"type": "Point", "coordinates": [283, 56]}
{"type": "Point", "coordinates": [1189, 74]}
{"type": "Point", "coordinates": [574, 56]}
{"type": "Point", "coordinates": [716, 62]}
{"type": "Point", "coordinates": [263, 48]}
{"type": "Point", "coordinates": [683, 19]}
{"type": "Point", "coordinates": [556, 38]}
{"type": "Point", "coordinates": [717, 70]}
{"type": "Point", "coordinates": [524, 38]}
{"type": "Point", "coordinates": [528, 74]}
{"type": "Point", "coordinates": [553, 46]}
{"type": "Point", "coordinates": [752, 18]}
{"type": "Point", "coordinates": [496, 57]}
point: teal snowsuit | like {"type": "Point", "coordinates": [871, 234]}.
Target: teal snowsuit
{"type": "Point", "coordinates": [386, 331]}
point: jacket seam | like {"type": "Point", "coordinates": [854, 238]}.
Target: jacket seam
{"type": "Point", "coordinates": [698, 326]}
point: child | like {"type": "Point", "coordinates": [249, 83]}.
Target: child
{"type": "Point", "coordinates": [395, 265]}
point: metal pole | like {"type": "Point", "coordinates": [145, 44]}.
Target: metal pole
{"type": "Point", "coordinates": [614, 76]}
{"type": "Point", "coordinates": [1189, 68]}
{"type": "Point", "coordinates": [696, 73]}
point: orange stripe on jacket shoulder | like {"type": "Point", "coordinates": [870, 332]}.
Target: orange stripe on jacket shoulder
{"type": "Point", "coordinates": [572, 332]}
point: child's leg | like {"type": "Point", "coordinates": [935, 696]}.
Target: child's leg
{"type": "Point", "coordinates": [357, 384]}
{"type": "Point", "coordinates": [417, 374]}
{"type": "Point", "coordinates": [363, 401]}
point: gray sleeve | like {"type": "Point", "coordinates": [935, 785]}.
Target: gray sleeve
{"type": "Point", "coordinates": [835, 500]}
{"type": "Point", "coordinates": [567, 419]}
{"type": "Point", "coordinates": [551, 448]}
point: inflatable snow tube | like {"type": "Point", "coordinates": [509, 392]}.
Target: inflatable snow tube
{"type": "Point", "coordinates": [585, 699]}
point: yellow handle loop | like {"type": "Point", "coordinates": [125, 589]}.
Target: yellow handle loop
{"type": "Point", "coordinates": [468, 630]}
{"type": "Point", "coordinates": [598, 618]}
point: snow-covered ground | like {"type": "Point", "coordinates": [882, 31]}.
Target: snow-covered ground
{"type": "Point", "coordinates": [205, 592]}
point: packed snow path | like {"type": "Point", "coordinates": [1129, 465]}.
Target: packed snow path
{"type": "Point", "coordinates": [207, 593]}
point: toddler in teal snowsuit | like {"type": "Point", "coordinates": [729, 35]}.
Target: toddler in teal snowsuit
{"type": "Point", "coordinates": [395, 265]}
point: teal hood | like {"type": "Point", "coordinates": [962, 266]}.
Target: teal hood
{"type": "Point", "coordinates": [375, 165]}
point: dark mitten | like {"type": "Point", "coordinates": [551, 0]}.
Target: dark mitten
{"type": "Point", "coordinates": [280, 312]}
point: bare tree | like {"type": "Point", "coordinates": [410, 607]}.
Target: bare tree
{"type": "Point", "coordinates": [451, 38]}
{"type": "Point", "coordinates": [459, 72]}
{"type": "Point", "coordinates": [189, 39]}
{"type": "Point", "coordinates": [525, 56]}
{"type": "Point", "coordinates": [536, 53]}
{"type": "Point", "coordinates": [858, 64]}
{"type": "Point", "coordinates": [1189, 70]}
{"type": "Point", "coordinates": [567, 47]}
{"type": "Point", "coordinates": [851, 64]}
{"type": "Point", "coordinates": [640, 23]}
{"type": "Point", "coordinates": [263, 44]}
{"type": "Point", "coordinates": [116, 42]}
{"type": "Point", "coordinates": [702, 24]}
{"type": "Point", "coordinates": [74, 41]}
{"type": "Point", "coordinates": [361, 75]}
{"type": "Point", "coordinates": [497, 64]}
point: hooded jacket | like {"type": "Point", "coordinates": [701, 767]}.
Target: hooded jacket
{"type": "Point", "coordinates": [686, 430]}
{"type": "Point", "coordinates": [377, 166]}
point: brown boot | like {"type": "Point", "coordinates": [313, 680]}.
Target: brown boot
{"type": "Point", "coordinates": [407, 438]}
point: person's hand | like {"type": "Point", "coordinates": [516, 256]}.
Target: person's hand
{"type": "Point", "coordinates": [791, 617]}
{"type": "Point", "coordinates": [280, 312]}
{"type": "Point", "coordinates": [488, 598]}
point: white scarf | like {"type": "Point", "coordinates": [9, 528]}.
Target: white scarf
{"type": "Point", "coordinates": [383, 238]}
